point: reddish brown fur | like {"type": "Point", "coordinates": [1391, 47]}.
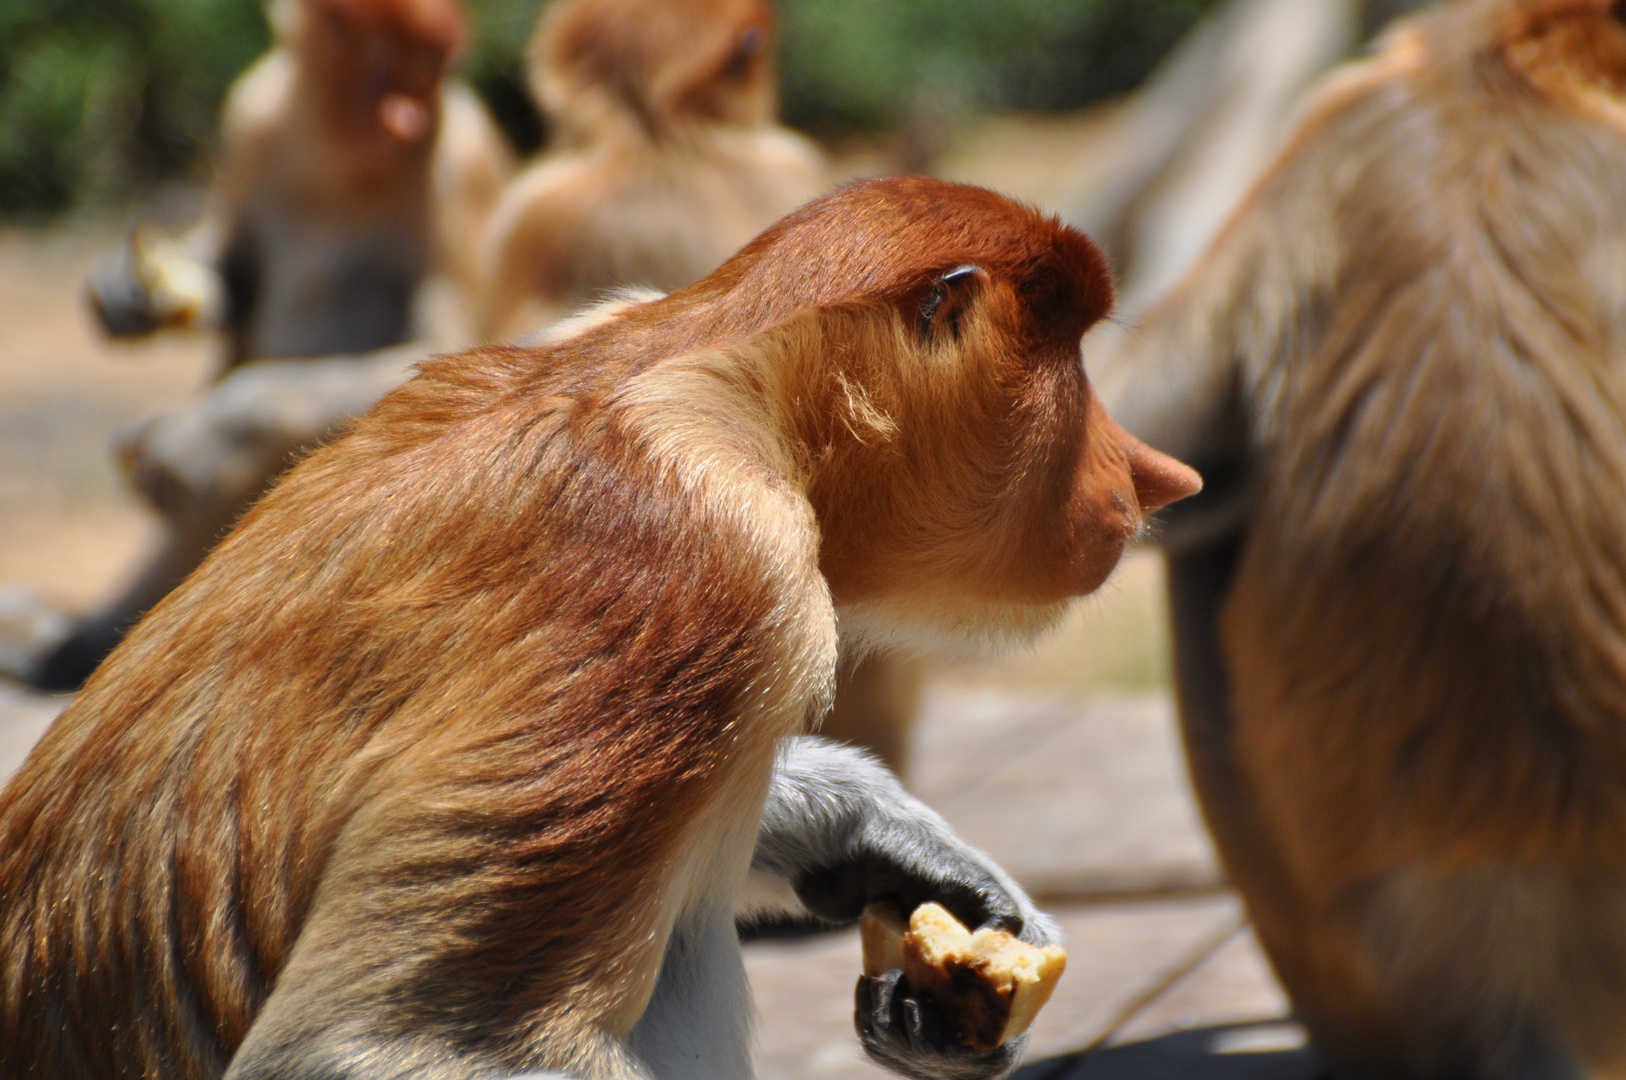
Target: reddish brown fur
{"type": "Point", "coordinates": [357, 56]}
{"type": "Point", "coordinates": [436, 23]}
{"type": "Point", "coordinates": [1412, 740]}
{"type": "Point", "coordinates": [418, 746]}
{"type": "Point", "coordinates": [666, 156]}
{"type": "Point", "coordinates": [722, 71]}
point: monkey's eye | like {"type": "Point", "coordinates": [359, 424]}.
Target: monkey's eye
{"type": "Point", "coordinates": [940, 311]}
{"type": "Point", "coordinates": [751, 43]}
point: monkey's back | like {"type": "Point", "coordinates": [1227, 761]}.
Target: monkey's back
{"type": "Point", "coordinates": [627, 211]}
{"type": "Point", "coordinates": [308, 691]}
{"type": "Point", "coordinates": [1443, 439]}
{"type": "Point", "coordinates": [1425, 630]}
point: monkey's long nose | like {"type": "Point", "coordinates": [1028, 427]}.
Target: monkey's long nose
{"type": "Point", "coordinates": [1159, 479]}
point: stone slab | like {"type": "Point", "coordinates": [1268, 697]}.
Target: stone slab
{"type": "Point", "coordinates": [1233, 985]}
{"type": "Point", "coordinates": [1118, 955]}
{"type": "Point", "coordinates": [1074, 797]}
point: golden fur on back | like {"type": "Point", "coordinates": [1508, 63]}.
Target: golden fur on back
{"type": "Point", "coordinates": [1410, 734]}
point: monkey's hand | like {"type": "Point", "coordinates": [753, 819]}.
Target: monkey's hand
{"type": "Point", "coordinates": [213, 454]}
{"type": "Point", "coordinates": [842, 832]}
{"type": "Point", "coordinates": [152, 284]}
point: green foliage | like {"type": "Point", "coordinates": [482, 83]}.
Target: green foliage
{"type": "Point", "coordinates": [866, 64]}
{"type": "Point", "coordinates": [495, 64]}
{"type": "Point", "coordinates": [99, 99]}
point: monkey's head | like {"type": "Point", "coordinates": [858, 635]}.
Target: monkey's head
{"type": "Point", "coordinates": [377, 65]}
{"type": "Point", "coordinates": [919, 346]}
{"type": "Point", "coordinates": [657, 62]}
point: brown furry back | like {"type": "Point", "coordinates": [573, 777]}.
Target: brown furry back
{"type": "Point", "coordinates": [1414, 752]}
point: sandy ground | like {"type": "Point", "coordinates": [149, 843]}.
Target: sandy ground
{"type": "Point", "coordinates": [68, 527]}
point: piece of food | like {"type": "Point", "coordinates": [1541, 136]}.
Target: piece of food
{"type": "Point", "coordinates": [988, 984]}
{"type": "Point", "coordinates": [182, 291]}
{"type": "Point", "coordinates": [881, 931]}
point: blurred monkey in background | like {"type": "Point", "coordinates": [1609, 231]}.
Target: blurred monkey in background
{"type": "Point", "coordinates": [668, 158]}
{"type": "Point", "coordinates": [1400, 605]}
{"type": "Point", "coordinates": [352, 169]}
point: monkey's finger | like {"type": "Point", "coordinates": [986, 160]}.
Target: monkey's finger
{"type": "Point", "coordinates": [117, 296]}
{"type": "Point", "coordinates": [908, 1034]}
{"type": "Point", "coordinates": [840, 893]}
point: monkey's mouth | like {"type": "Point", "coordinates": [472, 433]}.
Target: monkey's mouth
{"type": "Point", "coordinates": [404, 117]}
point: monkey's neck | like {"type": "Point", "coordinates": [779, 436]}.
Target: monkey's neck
{"type": "Point", "coordinates": [710, 421]}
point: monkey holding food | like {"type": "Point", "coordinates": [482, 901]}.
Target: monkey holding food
{"type": "Point", "coordinates": [351, 169]}
{"type": "Point", "coordinates": [454, 758]}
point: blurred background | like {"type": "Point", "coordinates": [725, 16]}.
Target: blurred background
{"type": "Point", "coordinates": [100, 102]}
{"type": "Point", "coordinates": [108, 114]}
{"type": "Point", "coordinates": [109, 110]}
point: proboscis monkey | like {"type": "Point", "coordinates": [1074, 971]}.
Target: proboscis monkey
{"type": "Point", "coordinates": [452, 760]}
{"type": "Point", "coordinates": [351, 170]}
{"type": "Point", "coordinates": [1400, 607]}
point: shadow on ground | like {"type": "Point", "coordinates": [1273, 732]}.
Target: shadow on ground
{"type": "Point", "coordinates": [1270, 1051]}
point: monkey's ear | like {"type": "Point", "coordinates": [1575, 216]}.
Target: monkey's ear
{"type": "Point", "coordinates": [750, 45]}
{"type": "Point", "coordinates": [947, 299]}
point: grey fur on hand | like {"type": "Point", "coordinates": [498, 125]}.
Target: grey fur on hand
{"type": "Point", "coordinates": [840, 828]}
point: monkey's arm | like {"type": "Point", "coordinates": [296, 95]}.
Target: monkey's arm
{"type": "Point", "coordinates": [153, 282]}
{"type": "Point", "coordinates": [841, 831]}
{"type": "Point", "coordinates": [472, 166]}
{"type": "Point", "coordinates": [220, 450]}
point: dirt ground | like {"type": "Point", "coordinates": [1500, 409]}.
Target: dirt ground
{"type": "Point", "coordinates": [69, 529]}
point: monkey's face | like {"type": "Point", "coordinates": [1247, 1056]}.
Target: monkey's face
{"type": "Point", "coordinates": [917, 345]}
{"type": "Point", "coordinates": [962, 469]}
